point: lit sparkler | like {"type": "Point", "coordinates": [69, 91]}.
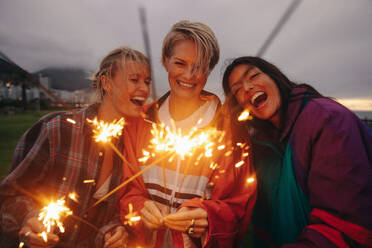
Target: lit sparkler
{"type": "Point", "coordinates": [132, 217]}
{"type": "Point", "coordinates": [104, 132]}
{"type": "Point", "coordinates": [51, 216]}
{"type": "Point", "coordinates": [244, 116]}
{"type": "Point", "coordinates": [170, 144]}
{"type": "Point", "coordinates": [177, 144]}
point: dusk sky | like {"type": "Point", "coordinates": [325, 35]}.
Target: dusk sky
{"type": "Point", "coordinates": [326, 43]}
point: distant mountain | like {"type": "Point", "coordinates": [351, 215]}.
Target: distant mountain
{"type": "Point", "coordinates": [66, 78]}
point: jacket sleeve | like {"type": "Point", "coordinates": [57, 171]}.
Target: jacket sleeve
{"type": "Point", "coordinates": [16, 200]}
{"type": "Point", "coordinates": [233, 197]}
{"type": "Point", "coordinates": [134, 193]}
{"type": "Point", "coordinates": [338, 183]}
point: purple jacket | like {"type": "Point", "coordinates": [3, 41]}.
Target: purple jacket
{"type": "Point", "coordinates": [332, 160]}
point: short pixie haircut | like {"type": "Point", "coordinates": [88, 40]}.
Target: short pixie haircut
{"type": "Point", "coordinates": [208, 50]}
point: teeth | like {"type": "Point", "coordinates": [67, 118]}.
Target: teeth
{"type": "Point", "coordinates": [255, 96]}
{"type": "Point", "coordinates": [186, 85]}
{"type": "Point", "coordinates": [139, 98]}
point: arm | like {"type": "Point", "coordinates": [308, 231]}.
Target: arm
{"type": "Point", "coordinates": [18, 204]}
{"type": "Point", "coordinates": [338, 183]}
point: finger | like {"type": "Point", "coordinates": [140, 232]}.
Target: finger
{"type": "Point", "coordinates": [151, 207]}
{"type": "Point", "coordinates": [118, 243]}
{"type": "Point", "coordinates": [150, 217]}
{"type": "Point", "coordinates": [197, 213]}
{"type": "Point", "coordinates": [187, 223]}
{"type": "Point", "coordinates": [149, 224]}
{"type": "Point", "coordinates": [35, 239]}
{"type": "Point", "coordinates": [117, 235]}
{"type": "Point", "coordinates": [164, 210]}
{"type": "Point", "coordinates": [35, 225]}
{"type": "Point", "coordinates": [107, 236]}
{"type": "Point", "coordinates": [199, 230]}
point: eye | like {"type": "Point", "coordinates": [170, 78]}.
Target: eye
{"type": "Point", "coordinates": [148, 81]}
{"type": "Point", "coordinates": [255, 75]}
{"type": "Point", "coordinates": [134, 79]}
{"type": "Point", "coordinates": [179, 63]}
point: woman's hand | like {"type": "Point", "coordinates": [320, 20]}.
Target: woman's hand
{"type": "Point", "coordinates": [153, 214]}
{"type": "Point", "coordinates": [30, 234]}
{"type": "Point", "coordinates": [118, 237]}
{"type": "Point", "coordinates": [193, 221]}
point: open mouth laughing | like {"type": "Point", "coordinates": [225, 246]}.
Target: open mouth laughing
{"type": "Point", "coordinates": [258, 99]}
{"type": "Point", "coordinates": [138, 100]}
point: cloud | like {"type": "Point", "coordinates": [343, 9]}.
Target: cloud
{"type": "Point", "coordinates": [324, 43]}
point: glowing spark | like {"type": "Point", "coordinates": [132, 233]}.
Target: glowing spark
{"type": "Point", "coordinates": [71, 121]}
{"type": "Point", "coordinates": [73, 196]}
{"type": "Point", "coordinates": [245, 154]}
{"type": "Point", "coordinates": [89, 181]}
{"type": "Point", "coordinates": [104, 132]}
{"type": "Point", "coordinates": [239, 144]}
{"type": "Point", "coordinates": [244, 116]}
{"type": "Point", "coordinates": [221, 147]}
{"type": "Point", "coordinates": [250, 180]}
{"type": "Point", "coordinates": [51, 216]}
{"type": "Point", "coordinates": [228, 153]}
{"type": "Point", "coordinates": [131, 217]}
{"type": "Point", "coordinates": [44, 236]}
{"type": "Point", "coordinates": [21, 244]}
{"type": "Point", "coordinates": [166, 140]}
{"type": "Point", "coordinates": [240, 163]}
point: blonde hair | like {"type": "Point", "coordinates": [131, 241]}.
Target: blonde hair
{"type": "Point", "coordinates": [208, 50]}
{"type": "Point", "coordinates": [112, 62]}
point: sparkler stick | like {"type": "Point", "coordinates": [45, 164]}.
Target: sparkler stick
{"type": "Point", "coordinates": [128, 181]}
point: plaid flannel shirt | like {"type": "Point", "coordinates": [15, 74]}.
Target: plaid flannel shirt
{"type": "Point", "coordinates": [51, 160]}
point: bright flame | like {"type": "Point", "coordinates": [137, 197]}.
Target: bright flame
{"type": "Point", "coordinates": [73, 196]}
{"type": "Point", "coordinates": [176, 143]}
{"type": "Point", "coordinates": [89, 181]}
{"type": "Point", "coordinates": [44, 236]}
{"type": "Point", "coordinates": [51, 215]}
{"type": "Point", "coordinates": [71, 121]}
{"type": "Point", "coordinates": [104, 132]}
{"type": "Point", "coordinates": [131, 217]}
{"type": "Point", "coordinates": [244, 116]}
{"type": "Point", "coordinates": [21, 244]}
{"type": "Point", "coordinates": [250, 180]}
{"type": "Point", "coordinates": [240, 163]}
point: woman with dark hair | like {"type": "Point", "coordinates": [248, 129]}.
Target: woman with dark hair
{"type": "Point", "coordinates": [312, 157]}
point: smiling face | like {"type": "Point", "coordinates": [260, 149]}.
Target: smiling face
{"type": "Point", "coordinates": [128, 89]}
{"type": "Point", "coordinates": [185, 80]}
{"type": "Point", "coordinates": [256, 91]}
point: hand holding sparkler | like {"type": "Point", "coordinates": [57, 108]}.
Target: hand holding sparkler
{"type": "Point", "coordinates": [30, 234]}
{"type": "Point", "coordinates": [193, 221]}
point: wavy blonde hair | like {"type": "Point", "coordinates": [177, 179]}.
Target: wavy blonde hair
{"type": "Point", "coordinates": [208, 50]}
{"type": "Point", "coordinates": [112, 62]}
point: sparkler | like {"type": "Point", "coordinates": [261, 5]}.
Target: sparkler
{"type": "Point", "coordinates": [104, 132]}
{"type": "Point", "coordinates": [167, 143]}
{"type": "Point", "coordinates": [244, 116]}
{"type": "Point", "coordinates": [51, 216]}
{"type": "Point", "coordinates": [131, 217]}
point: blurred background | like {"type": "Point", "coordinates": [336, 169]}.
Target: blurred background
{"type": "Point", "coordinates": [56, 46]}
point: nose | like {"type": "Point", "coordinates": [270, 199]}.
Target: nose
{"type": "Point", "coordinates": [247, 85]}
{"type": "Point", "coordinates": [189, 72]}
{"type": "Point", "coordinates": [142, 86]}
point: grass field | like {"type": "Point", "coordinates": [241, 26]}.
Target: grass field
{"type": "Point", "coordinates": [11, 129]}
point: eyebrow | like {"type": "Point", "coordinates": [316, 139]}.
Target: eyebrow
{"type": "Point", "coordinates": [244, 74]}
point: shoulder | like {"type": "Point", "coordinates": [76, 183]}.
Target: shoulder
{"type": "Point", "coordinates": [328, 111]}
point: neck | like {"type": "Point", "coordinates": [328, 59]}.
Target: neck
{"type": "Point", "coordinates": [180, 108]}
{"type": "Point", "coordinates": [107, 112]}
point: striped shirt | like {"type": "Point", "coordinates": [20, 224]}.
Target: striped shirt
{"type": "Point", "coordinates": [52, 159]}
